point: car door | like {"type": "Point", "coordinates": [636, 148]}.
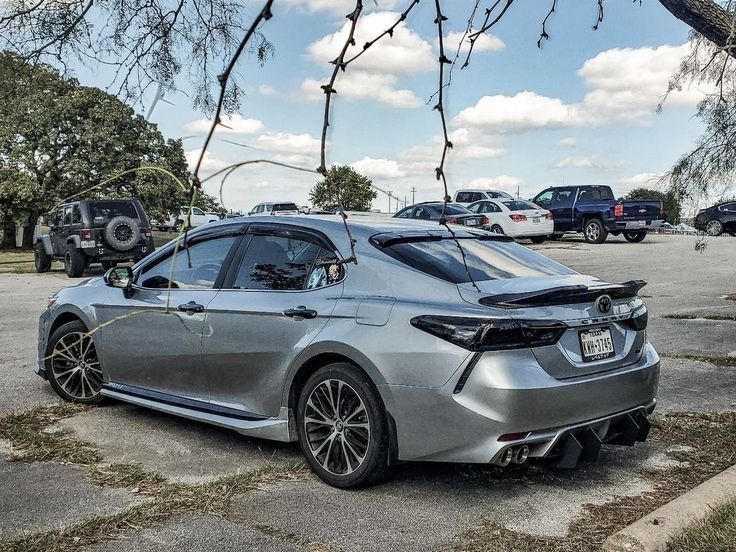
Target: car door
{"type": "Point", "coordinates": [728, 217]}
{"type": "Point", "coordinates": [493, 212]}
{"type": "Point", "coordinates": [58, 238]}
{"type": "Point", "coordinates": [561, 208]}
{"type": "Point", "coordinates": [152, 339]}
{"type": "Point", "coordinates": [279, 294]}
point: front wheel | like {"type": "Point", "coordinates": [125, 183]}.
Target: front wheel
{"type": "Point", "coordinates": [343, 427]}
{"type": "Point", "coordinates": [41, 259]}
{"type": "Point", "coordinates": [714, 227]}
{"type": "Point", "coordinates": [74, 262]}
{"type": "Point", "coordinates": [538, 239]}
{"type": "Point", "coordinates": [594, 231]}
{"type": "Point", "coordinates": [635, 237]}
{"type": "Point", "coordinates": [72, 366]}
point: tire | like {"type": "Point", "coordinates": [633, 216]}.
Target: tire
{"type": "Point", "coordinates": [177, 225]}
{"type": "Point", "coordinates": [496, 229]}
{"type": "Point", "coordinates": [122, 233]}
{"type": "Point", "coordinates": [72, 366]}
{"type": "Point", "coordinates": [107, 265]}
{"type": "Point", "coordinates": [41, 259]}
{"type": "Point", "coordinates": [538, 239]}
{"type": "Point", "coordinates": [594, 231]}
{"type": "Point", "coordinates": [714, 227]}
{"type": "Point", "coordinates": [74, 262]}
{"type": "Point", "coordinates": [343, 467]}
{"type": "Point", "coordinates": [635, 237]}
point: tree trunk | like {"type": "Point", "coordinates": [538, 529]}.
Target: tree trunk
{"type": "Point", "coordinates": [708, 18]}
{"type": "Point", "coordinates": [28, 230]}
{"type": "Point", "coordinates": [8, 241]}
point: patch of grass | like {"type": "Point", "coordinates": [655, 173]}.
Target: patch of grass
{"type": "Point", "coordinates": [717, 533]}
{"type": "Point", "coordinates": [31, 440]}
{"type": "Point", "coordinates": [19, 261]}
{"type": "Point", "coordinates": [730, 297]}
{"type": "Point", "coordinates": [710, 447]}
{"type": "Point", "coordinates": [166, 500]}
{"type": "Point", "coordinates": [709, 316]}
{"type": "Point", "coordinates": [722, 361]}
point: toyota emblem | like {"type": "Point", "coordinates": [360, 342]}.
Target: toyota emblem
{"type": "Point", "coordinates": [604, 303]}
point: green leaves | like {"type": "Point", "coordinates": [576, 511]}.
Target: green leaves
{"type": "Point", "coordinates": [342, 185]}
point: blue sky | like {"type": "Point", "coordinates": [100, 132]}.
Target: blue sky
{"type": "Point", "coordinates": [581, 109]}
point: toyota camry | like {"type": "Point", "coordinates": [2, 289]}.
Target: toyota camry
{"type": "Point", "coordinates": [433, 346]}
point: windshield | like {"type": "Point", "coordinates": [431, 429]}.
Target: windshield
{"type": "Point", "coordinates": [105, 210]}
{"type": "Point", "coordinates": [486, 259]}
{"type": "Point", "coordinates": [518, 205]}
{"type": "Point", "coordinates": [285, 207]}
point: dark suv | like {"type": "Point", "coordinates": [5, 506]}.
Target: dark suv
{"type": "Point", "coordinates": [105, 231]}
{"type": "Point", "coordinates": [717, 219]}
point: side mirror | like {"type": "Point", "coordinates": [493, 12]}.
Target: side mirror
{"type": "Point", "coordinates": [120, 277]}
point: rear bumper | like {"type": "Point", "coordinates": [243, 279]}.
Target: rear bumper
{"type": "Point", "coordinates": [508, 392]}
{"type": "Point", "coordinates": [632, 225]}
{"type": "Point", "coordinates": [104, 253]}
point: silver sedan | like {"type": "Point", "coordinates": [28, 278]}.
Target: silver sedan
{"type": "Point", "coordinates": [462, 347]}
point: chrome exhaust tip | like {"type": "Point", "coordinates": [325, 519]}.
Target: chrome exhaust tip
{"type": "Point", "coordinates": [520, 454]}
{"type": "Point", "coordinates": [505, 458]}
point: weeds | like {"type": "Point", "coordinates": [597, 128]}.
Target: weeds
{"type": "Point", "coordinates": [717, 533]}
{"type": "Point", "coordinates": [709, 316]}
{"type": "Point", "coordinates": [724, 362]}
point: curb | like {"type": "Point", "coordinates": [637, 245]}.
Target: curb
{"type": "Point", "coordinates": [652, 532]}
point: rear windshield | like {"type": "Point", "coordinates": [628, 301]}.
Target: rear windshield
{"type": "Point", "coordinates": [486, 259]}
{"type": "Point", "coordinates": [517, 205]}
{"type": "Point", "coordinates": [451, 209]}
{"type": "Point", "coordinates": [105, 210]}
{"type": "Point", "coordinates": [285, 207]}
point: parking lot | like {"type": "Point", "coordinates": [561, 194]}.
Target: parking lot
{"type": "Point", "coordinates": [118, 477]}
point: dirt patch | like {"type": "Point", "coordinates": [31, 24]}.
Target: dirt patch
{"type": "Point", "coordinates": [709, 316]}
{"type": "Point", "coordinates": [727, 362]}
{"type": "Point", "coordinates": [702, 445]}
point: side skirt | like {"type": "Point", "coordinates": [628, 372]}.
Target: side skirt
{"type": "Point", "coordinates": [253, 425]}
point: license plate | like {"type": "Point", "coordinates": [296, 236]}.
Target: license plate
{"type": "Point", "coordinates": [87, 243]}
{"type": "Point", "coordinates": [471, 222]}
{"type": "Point", "coordinates": [536, 220]}
{"type": "Point", "coordinates": [596, 344]}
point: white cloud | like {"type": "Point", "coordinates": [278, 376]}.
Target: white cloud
{"type": "Point", "coordinates": [284, 142]}
{"type": "Point", "coordinates": [568, 142]}
{"type": "Point", "coordinates": [625, 85]}
{"type": "Point", "coordinates": [234, 124]}
{"type": "Point", "coordinates": [503, 182]}
{"type": "Point", "coordinates": [584, 162]}
{"type": "Point", "coordinates": [405, 53]}
{"type": "Point", "coordinates": [468, 143]}
{"type": "Point", "coordinates": [359, 85]}
{"type": "Point", "coordinates": [378, 168]}
{"type": "Point", "coordinates": [484, 43]}
{"type": "Point", "coordinates": [209, 163]}
{"type": "Point", "coordinates": [298, 159]}
{"type": "Point", "coordinates": [641, 180]}
{"type": "Point", "coordinates": [267, 90]}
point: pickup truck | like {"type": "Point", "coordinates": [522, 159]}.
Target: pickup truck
{"type": "Point", "coordinates": [594, 211]}
{"type": "Point", "coordinates": [174, 222]}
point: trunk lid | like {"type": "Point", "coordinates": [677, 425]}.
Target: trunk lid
{"type": "Point", "coordinates": [637, 209]}
{"type": "Point", "coordinates": [573, 300]}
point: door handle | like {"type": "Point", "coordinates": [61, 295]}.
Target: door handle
{"type": "Point", "coordinates": [191, 307]}
{"type": "Point", "coordinates": [300, 312]}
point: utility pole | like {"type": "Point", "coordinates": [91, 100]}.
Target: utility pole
{"type": "Point", "coordinates": [413, 191]}
{"type": "Point", "coordinates": [389, 201]}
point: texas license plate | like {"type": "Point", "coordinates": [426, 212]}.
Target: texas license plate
{"type": "Point", "coordinates": [471, 222]}
{"type": "Point", "coordinates": [596, 344]}
{"type": "Point", "coordinates": [535, 220]}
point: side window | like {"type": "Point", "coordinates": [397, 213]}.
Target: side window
{"type": "Point", "coordinates": [197, 211]}
{"type": "Point", "coordinates": [729, 207]}
{"type": "Point", "coordinates": [589, 195]}
{"type": "Point", "coordinates": [422, 213]}
{"type": "Point", "coordinates": [493, 208]}
{"type": "Point", "coordinates": [276, 263]}
{"type": "Point", "coordinates": [464, 197]}
{"type": "Point", "coordinates": [564, 198]}
{"type": "Point", "coordinates": [476, 208]}
{"type": "Point", "coordinates": [544, 198]}
{"type": "Point", "coordinates": [58, 218]}
{"type": "Point", "coordinates": [76, 215]}
{"type": "Point", "coordinates": [325, 271]}
{"type": "Point", "coordinates": [206, 257]}
{"type": "Point", "coordinates": [406, 213]}
{"type": "Point", "coordinates": [67, 216]}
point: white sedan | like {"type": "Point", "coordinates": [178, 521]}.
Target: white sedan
{"type": "Point", "coordinates": [516, 218]}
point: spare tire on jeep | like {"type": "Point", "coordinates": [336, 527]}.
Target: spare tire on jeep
{"type": "Point", "coordinates": [122, 233]}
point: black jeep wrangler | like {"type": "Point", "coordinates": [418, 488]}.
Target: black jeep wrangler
{"type": "Point", "coordinates": [107, 231]}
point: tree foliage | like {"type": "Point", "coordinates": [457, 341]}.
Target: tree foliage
{"type": "Point", "coordinates": [670, 199]}
{"type": "Point", "coordinates": [60, 140]}
{"type": "Point", "coordinates": [343, 185]}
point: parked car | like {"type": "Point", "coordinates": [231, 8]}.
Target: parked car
{"type": "Point", "coordinates": [285, 208]}
{"type": "Point", "coordinates": [420, 351]}
{"type": "Point", "coordinates": [467, 196]}
{"type": "Point", "coordinates": [96, 231]}
{"type": "Point", "coordinates": [198, 217]}
{"type": "Point", "coordinates": [516, 218]}
{"type": "Point", "coordinates": [454, 214]}
{"type": "Point", "coordinates": [594, 211]}
{"type": "Point", "coordinates": [717, 219]}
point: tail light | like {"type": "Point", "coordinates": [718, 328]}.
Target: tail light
{"type": "Point", "coordinates": [452, 220]}
{"type": "Point", "coordinates": [491, 334]}
{"type": "Point", "coordinates": [485, 220]}
{"type": "Point", "coordinates": [618, 210]}
{"type": "Point", "coordinates": [549, 216]}
{"type": "Point", "coordinates": [518, 218]}
{"type": "Point", "coordinates": [661, 209]}
{"type": "Point", "coordinates": [638, 321]}
{"type": "Point", "coordinates": [86, 234]}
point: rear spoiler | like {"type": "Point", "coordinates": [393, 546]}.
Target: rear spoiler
{"type": "Point", "coordinates": [563, 295]}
